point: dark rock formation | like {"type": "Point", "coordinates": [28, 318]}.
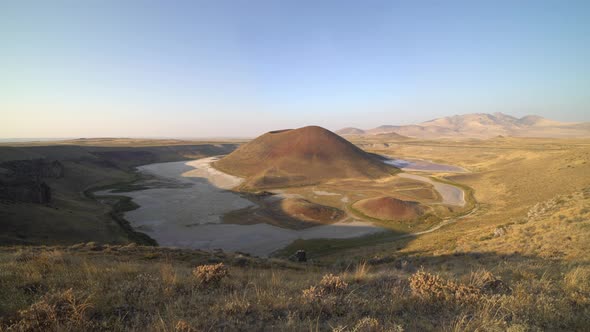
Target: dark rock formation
{"type": "Point", "coordinates": [34, 168]}
{"type": "Point", "coordinates": [30, 192]}
{"type": "Point", "coordinates": [22, 180]}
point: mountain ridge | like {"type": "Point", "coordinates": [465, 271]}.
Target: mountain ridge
{"type": "Point", "coordinates": [481, 125]}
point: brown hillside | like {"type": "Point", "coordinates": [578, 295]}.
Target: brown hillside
{"type": "Point", "coordinates": [388, 208]}
{"type": "Point", "coordinates": [300, 156]}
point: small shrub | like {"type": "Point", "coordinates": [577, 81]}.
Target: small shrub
{"type": "Point", "coordinates": [367, 324]}
{"type": "Point", "coordinates": [432, 286]}
{"type": "Point", "coordinates": [210, 274]}
{"type": "Point", "coordinates": [329, 285]}
{"type": "Point", "coordinates": [183, 326]}
{"type": "Point", "coordinates": [312, 294]}
{"type": "Point", "coordinates": [333, 284]}
{"type": "Point", "coordinates": [54, 312]}
{"type": "Point", "coordinates": [427, 285]}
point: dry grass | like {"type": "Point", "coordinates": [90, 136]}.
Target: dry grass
{"type": "Point", "coordinates": [119, 289]}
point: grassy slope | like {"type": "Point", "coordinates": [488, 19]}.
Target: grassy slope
{"type": "Point", "coordinates": [119, 288]}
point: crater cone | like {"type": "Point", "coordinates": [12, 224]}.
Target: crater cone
{"type": "Point", "coordinates": [301, 156]}
{"type": "Point", "coordinates": [389, 208]}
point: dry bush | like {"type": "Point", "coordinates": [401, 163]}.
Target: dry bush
{"type": "Point", "coordinates": [427, 285]}
{"type": "Point", "coordinates": [210, 274]}
{"type": "Point", "coordinates": [329, 285]}
{"type": "Point", "coordinates": [368, 324]}
{"type": "Point", "coordinates": [56, 311]}
{"type": "Point", "coordinates": [312, 294]}
{"type": "Point", "coordinates": [183, 326]}
{"type": "Point", "coordinates": [333, 284]}
{"type": "Point", "coordinates": [432, 286]}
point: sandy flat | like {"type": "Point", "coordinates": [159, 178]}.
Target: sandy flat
{"type": "Point", "coordinates": [203, 169]}
{"type": "Point", "coordinates": [324, 193]}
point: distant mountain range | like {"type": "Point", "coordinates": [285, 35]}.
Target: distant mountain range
{"type": "Point", "coordinates": [481, 125]}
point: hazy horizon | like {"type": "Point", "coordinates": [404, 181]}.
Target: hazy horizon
{"type": "Point", "coordinates": [220, 137]}
{"type": "Point", "coordinates": [241, 68]}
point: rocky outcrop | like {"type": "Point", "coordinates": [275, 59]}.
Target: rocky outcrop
{"type": "Point", "coordinates": [30, 192]}
{"type": "Point", "coordinates": [34, 168]}
{"type": "Point", "coordinates": [23, 180]}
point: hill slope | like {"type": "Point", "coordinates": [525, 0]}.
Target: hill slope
{"type": "Point", "coordinates": [483, 125]}
{"type": "Point", "coordinates": [300, 156]}
{"type": "Point", "coordinates": [350, 131]}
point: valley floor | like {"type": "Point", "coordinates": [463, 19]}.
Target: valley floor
{"type": "Point", "coordinates": [520, 262]}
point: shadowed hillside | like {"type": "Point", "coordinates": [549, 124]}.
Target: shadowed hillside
{"type": "Point", "coordinates": [301, 156]}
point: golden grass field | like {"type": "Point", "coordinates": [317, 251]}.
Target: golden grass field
{"type": "Point", "coordinates": [518, 262]}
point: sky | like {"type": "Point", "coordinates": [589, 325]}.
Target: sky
{"type": "Point", "coordinates": [239, 68]}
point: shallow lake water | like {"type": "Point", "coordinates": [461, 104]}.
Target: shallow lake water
{"type": "Point", "coordinates": [420, 165]}
{"type": "Point", "coordinates": [187, 213]}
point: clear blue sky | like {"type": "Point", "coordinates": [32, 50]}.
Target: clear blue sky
{"type": "Point", "coordinates": [239, 68]}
